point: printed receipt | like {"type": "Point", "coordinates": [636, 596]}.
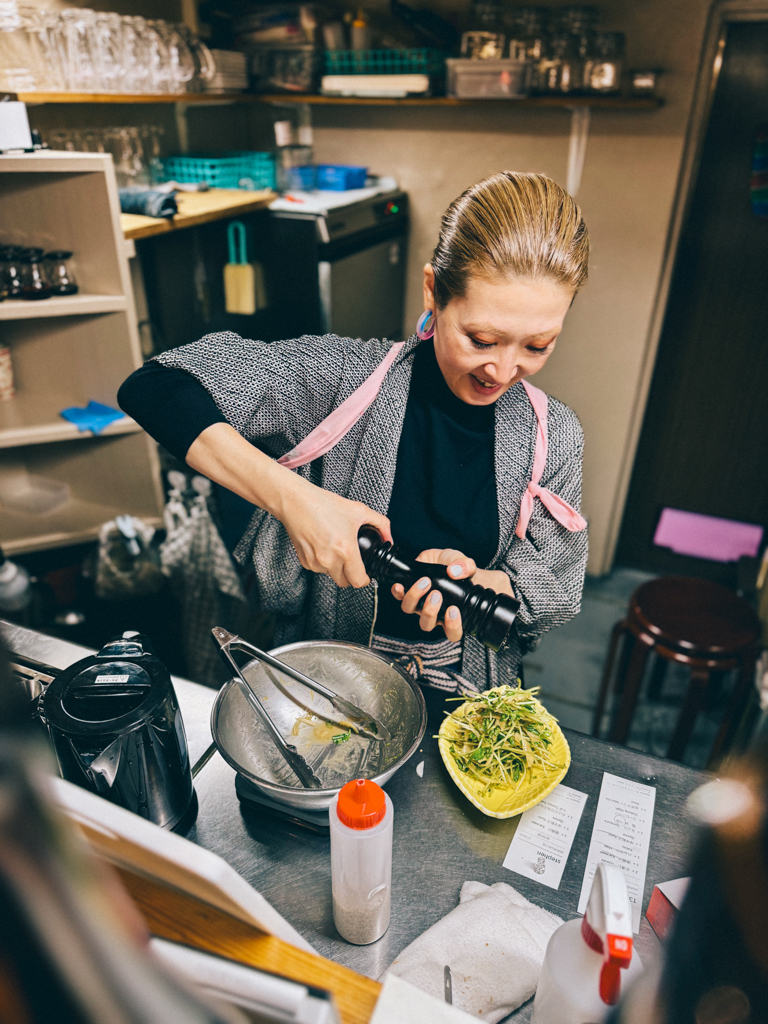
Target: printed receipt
{"type": "Point", "coordinates": [621, 835]}
{"type": "Point", "coordinates": [544, 836]}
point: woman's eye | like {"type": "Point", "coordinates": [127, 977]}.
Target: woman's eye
{"type": "Point", "coordinates": [538, 351]}
{"type": "Point", "coordinates": [480, 344]}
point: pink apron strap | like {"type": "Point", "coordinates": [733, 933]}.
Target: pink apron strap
{"type": "Point", "coordinates": [559, 509]}
{"type": "Point", "coordinates": [331, 430]}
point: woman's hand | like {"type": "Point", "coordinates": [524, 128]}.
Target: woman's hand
{"type": "Point", "coordinates": [322, 526]}
{"type": "Point", "coordinates": [460, 567]}
{"type": "Point", "coordinates": [323, 529]}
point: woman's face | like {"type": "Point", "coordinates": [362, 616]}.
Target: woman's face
{"type": "Point", "coordinates": [498, 332]}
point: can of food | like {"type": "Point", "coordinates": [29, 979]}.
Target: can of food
{"type": "Point", "coordinates": [7, 390]}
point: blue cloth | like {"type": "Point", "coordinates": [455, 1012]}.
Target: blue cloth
{"type": "Point", "coordinates": [94, 417]}
{"type": "Point", "coordinates": [147, 202]}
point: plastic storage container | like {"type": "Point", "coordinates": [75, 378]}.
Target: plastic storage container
{"type": "Point", "coordinates": [340, 177]}
{"type": "Point", "coordinates": [488, 79]}
{"type": "Point", "coordinates": [361, 818]}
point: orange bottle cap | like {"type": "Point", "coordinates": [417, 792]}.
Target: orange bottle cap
{"type": "Point", "coordinates": [361, 804]}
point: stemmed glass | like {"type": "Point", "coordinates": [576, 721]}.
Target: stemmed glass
{"type": "Point", "coordinates": [76, 31]}
{"type": "Point", "coordinates": [108, 52]}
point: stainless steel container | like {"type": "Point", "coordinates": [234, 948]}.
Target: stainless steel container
{"type": "Point", "coordinates": [364, 676]}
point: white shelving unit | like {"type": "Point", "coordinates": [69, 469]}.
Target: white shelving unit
{"type": "Point", "coordinates": [70, 350]}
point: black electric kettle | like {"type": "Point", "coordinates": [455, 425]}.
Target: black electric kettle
{"type": "Point", "coordinates": [116, 727]}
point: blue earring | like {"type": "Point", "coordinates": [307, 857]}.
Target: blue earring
{"type": "Point", "coordinates": [425, 327]}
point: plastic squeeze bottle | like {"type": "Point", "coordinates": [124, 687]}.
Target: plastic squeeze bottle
{"type": "Point", "coordinates": [361, 819]}
{"type": "Point", "coordinates": [582, 973]}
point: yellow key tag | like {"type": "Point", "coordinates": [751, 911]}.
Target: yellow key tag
{"type": "Point", "coordinates": [244, 290]}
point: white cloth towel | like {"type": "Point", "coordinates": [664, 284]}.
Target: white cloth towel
{"type": "Point", "coordinates": [494, 943]}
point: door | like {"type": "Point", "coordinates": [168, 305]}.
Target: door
{"type": "Point", "coordinates": [704, 443]}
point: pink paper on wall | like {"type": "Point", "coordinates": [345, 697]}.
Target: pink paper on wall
{"type": "Point", "coordinates": [719, 540]}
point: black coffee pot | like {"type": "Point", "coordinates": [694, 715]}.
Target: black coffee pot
{"type": "Point", "coordinates": [484, 613]}
{"type": "Point", "coordinates": [116, 728]}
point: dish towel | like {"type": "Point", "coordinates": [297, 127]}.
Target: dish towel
{"type": "Point", "coordinates": [494, 943]}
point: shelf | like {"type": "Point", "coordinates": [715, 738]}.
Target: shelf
{"type": "Point", "coordinates": [68, 305]}
{"type": "Point", "coordinates": [33, 418]}
{"type": "Point", "coordinates": [197, 208]}
{"type": "Point", "coordinates": [76, 522]}
{"type": "Point", "coordinates": [525, 102]}
{"type": "Point", "coordinates": [36, 98]}
{"type": "Point", "coordinates": [533, 102]}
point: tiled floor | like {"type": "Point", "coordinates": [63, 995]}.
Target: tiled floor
{"type": "Point", "coordinates": [568, 666]}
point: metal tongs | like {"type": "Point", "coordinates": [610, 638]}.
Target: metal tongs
{"type": "Point", "coordinates": [357, 719]}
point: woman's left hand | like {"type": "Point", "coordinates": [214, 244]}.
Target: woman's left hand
{"type": "Point", "coordinates": [459, 567]}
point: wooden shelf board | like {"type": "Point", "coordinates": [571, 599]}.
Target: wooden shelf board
{"type": "Point", "coordinates": [596, 102]}
{"type": "Point", "coordinates": [74, 523]}
{"type": "Point", "coordinates": [36, 98]}
{"type": "Point", "coordinates": [67, 305]}
{"type": "Point", "coordinates": [563, 102]}
{"type": "Point", "coordinates": [197, 208]}
{"type": "Point", "coordinates": [33, 418]}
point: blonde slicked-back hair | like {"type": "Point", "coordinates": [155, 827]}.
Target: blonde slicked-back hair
{"type": "Point", "coordinates": [510, 225]}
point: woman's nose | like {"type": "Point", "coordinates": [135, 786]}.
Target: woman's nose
{"type": "Point", "coordinates": [502, 370]}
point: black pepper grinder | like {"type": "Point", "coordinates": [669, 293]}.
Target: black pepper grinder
{"type": "Point", "coordinates": [484, 613]}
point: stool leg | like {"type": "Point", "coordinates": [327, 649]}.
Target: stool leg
{"type": "Point", "coordinates": [658, 675]}
{"type": "Point", "coordinates": [605, 682]}
{"type": "Point", "coordinates": [623, 718]}
{"type": "Point", "coordinates": [735, 708]}
{"type": "Point", "coordinates": [692, 705]}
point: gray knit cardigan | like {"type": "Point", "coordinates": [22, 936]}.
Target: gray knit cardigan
{"type": "Point", "coordinates": [275, 393]}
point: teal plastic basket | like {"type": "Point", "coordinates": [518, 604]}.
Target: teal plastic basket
{"type": "Point", "coordinates": [249, 170]}
{"type": "Point", "coordinates": [384, 62]}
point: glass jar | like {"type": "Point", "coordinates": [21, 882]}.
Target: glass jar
{"type": "Point", "coordinates": [59, 274]}
{"type": "Point", "coordinates": [602, 71]}
{"type": "Point", "coordinates": [34, 284]}
{"type": "Point", "coordinates": [11, 271]}
{"type": "Point", "coordinates": [526, 33]}
{"type": "Point", "coordinates": [486, 40]}
{"type": "Point", "coordinates": [560, 71]}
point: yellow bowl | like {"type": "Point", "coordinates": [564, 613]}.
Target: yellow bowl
{"type": "Point", "coordinates": [506, 801]}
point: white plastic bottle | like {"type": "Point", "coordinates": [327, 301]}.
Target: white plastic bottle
{"type": "Point", "coordinates": [588, 961]}
{"type": "Point", "coordinates": [15, 587]}
{"type": "Point", "coordinates": [361, 819]}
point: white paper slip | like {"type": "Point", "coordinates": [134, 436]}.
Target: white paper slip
{"type": "Point", "coordinates": [544, 836]}
{"type": "Point", "coordinates": [621, 835]}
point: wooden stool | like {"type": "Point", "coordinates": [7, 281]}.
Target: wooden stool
{"type": "Point", "coordinates": [691, 621]}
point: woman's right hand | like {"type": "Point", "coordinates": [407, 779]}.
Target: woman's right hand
{"type": "Point", "coordinates": [323, 530]}
{"type": "Point", "coordinates": [322, 525]}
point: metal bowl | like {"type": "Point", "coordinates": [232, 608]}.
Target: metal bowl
{"type": "Point", "coordinates": [364, 676]}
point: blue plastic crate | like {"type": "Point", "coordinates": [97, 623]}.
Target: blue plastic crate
{"type": "Point", "coordinates": [340, 177]}
{"type": "Point", "coordinates": [384, 62]}
{"type": "Point", "coordinates": [250, 170]}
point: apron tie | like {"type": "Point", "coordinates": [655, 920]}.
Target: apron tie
{"type": "Point", "coordinates": [559, 509]}
{"type": "Point", "coordinates": [331, 430]}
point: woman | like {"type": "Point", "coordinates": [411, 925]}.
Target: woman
{"type": "Point", "coordinates": [445, 459]}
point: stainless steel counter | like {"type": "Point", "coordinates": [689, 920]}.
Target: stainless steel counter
{"type": "Point", "coordinates": [440, 839]}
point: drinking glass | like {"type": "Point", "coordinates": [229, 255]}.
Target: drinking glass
{"type": "Point", "coordinates": [156, 56]}
{"type": "Point", "coordinates": [181, 61]}
{"type": "Point", "coordinates": [108, 51]}
{"type": "Point", "coordinates": [136, 77]}
{"type": "Point", "coordinates": [34, 283]}
{"type": "Point", "coordinates": [205, 66]}
{"type": "Point", "coordinates": [76, 44]}
{"type": "Point", "coordinates": [17, 72]}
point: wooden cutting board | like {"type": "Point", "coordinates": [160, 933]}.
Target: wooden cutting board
{"type": "Point", "coordinates": [173, 915]}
